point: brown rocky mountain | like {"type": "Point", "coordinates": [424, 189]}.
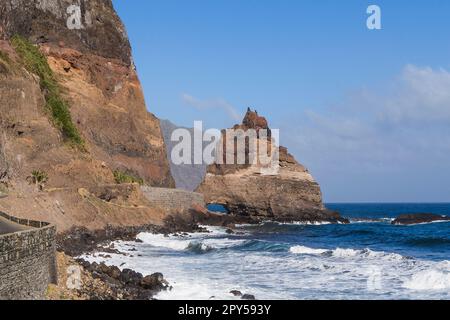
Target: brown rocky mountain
{"type": "Point", "coordinates": [72, 113]}
{"type": "Point", "coordinates": [290, 195]}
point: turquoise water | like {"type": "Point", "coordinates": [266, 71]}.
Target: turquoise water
{"type": "Point", "coordinates": [362, 260]}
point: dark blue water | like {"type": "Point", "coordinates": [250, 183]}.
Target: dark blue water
{"type": "Point", "coordinates": [388, 210]}
{"type": "Point", "coordinates": [217, 208]}
{"type": "Point", "coordinates": [425, 241]}
{"type": "Point", "coordinates": [430, 241]}
{"type": "Point", "coordinates": [361, 260]}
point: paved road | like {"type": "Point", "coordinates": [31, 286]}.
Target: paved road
{"type": "Point", "coordinates": [7, 226]}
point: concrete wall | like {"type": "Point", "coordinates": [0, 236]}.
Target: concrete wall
{"type": "Point", "coordinates": [173, 199]}
{"type": "Point", "coordinates": [27, 261]}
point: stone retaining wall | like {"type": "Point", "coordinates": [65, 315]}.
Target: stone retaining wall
{"type": "Point", "coordinates": [27, 260]}
{"type": "Point", "coordinates": [173, 199]}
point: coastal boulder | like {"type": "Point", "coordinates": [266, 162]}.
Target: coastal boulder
{"type": "Point", "coordinates": [155, 281]}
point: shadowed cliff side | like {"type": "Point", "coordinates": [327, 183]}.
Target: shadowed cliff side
{"type": "Point", "coordinates": [101, 31]}
{"type": "Point", "coordinates": [82, 79]}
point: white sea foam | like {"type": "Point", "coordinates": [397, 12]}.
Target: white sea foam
{"type": "Point", "coordinates": [338, 252]}
{"type": "Point", "coordinates": [382, 255]}
{"type": "Point", "coordinates": [347, 253]}
{"type": "Point", "coordinates": [362, 221]}
{"type": "Point", "coordinates": [303, 223]}
{"type": "Point", "coordinates": [343, 253]}
{"type": "Point", "coordinates": [212, 230]}
{"type": "Point", "coordinates": [301, 272]}
{"type": "Point", "coordinates": [429, 280]}
{"type": "Point", "coordinates": [203, 241]}
{"type": "Point", "coordinates": [423, 223]}
{"type": "Point", "coordinates": [159, 240]}
{"type": "Point", "coordinates": [306, 250]}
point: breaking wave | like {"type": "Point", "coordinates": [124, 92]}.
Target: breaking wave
{"type": "Point", "coordinates": [283, 261]}
{"type": "Point", "coordinates": [429, 280]}
{"type": "Point", "coordinates": [195, 242]}
{"type": "Point", "coordinates": [346, 253]}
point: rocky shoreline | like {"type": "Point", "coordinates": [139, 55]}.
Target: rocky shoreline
{"type": "Point", "coordinates": [102, 282]}
{"type": "Point", "coordinates": [113, 283]}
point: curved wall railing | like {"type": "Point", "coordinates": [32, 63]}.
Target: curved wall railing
{"type": "Point", "coordinates": [27, 260]}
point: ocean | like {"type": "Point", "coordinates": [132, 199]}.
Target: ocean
{"type": "Point", "coordinates": [362, 260]}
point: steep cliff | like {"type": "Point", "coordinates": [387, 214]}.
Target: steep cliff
{"type": "Point", "coordinates": [72, 114]}
{"type": "Point", "coordinates": [292, 194]}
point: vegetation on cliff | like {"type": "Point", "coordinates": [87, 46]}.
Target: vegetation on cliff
{"type": "Point", "coordinates": [4, 62]}
{"type": "Point", "coordinates": [35, 62]}
{"type": "Point", "coordinates": [122, 177]}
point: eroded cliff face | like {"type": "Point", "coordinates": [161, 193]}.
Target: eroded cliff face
{"type": "Point", "coordinates": [96, 77]}
{"type": "Point", "coordinates": [94, 29]}
{"type": "Point", "coordinates": [290, 195]}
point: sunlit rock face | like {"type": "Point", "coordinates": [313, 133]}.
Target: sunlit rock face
{"type": "Point", "coordinates": [291, 194]}
{"type": "Point", "coordinates": [88, 51]}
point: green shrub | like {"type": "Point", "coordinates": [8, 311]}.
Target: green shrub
{"type": "Point", "coordinates": [35, 62]}
{"type": "Point", "coordinates": [122, 177]}
{"type": "Point", "coordinates": [4, 62]}
{"type": "Point", "coordinates": [4, 56]}
{"type": "Point", "coordinates": [3, 190]}
{"type": "Point", "coordinates": [39, 177]}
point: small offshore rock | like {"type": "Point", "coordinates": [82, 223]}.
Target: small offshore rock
{"type": "Point", "coordinates": [409, 219]}
{"type": "Point", "coordinates": [236, 293]}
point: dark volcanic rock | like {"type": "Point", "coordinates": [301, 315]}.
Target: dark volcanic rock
{"type": "Point", "coordinates": [236, 293]}
{"type": "Point", "coordinates": [408, 219]}
{"type": "Point", "coordinates": [132, 277]}
{"type": "Point", "coordinates": [248, 297]}
{"type": "Point", "coordinates": [80, 240]}
{"type": "Point", "coordinates": [155, 281]}
{"type": "Point", "coordinates": [126, 284]}
{"type": "Point", "coordinates": [102, 31]}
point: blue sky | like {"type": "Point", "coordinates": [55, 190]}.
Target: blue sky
{"type": "Point", "coordinates": [367, 111]}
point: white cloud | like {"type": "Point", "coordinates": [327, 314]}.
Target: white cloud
{"type": "Point", "coordinates": [423, 96]}
{"type": "Point", "coordinates": [401, 131]}
{"type": "Point", "coordinates": [212, 104]}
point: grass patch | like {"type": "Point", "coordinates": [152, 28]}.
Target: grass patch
{"type": "Point", "coordinates": [35, 62]}
{"type": "Point", "coordinates": [4, 62]}
{"type": "Point", "coordinates": [122, 177]}
{"type": "Point", "coordinates": [3, 189]}
{"type": "Point", "coordinates": [39, 177]}
{"type": "Point", "coordinates": [4, 56]}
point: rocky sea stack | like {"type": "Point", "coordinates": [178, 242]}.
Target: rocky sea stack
{"type": "Point", "coordinates": [290, 195]}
